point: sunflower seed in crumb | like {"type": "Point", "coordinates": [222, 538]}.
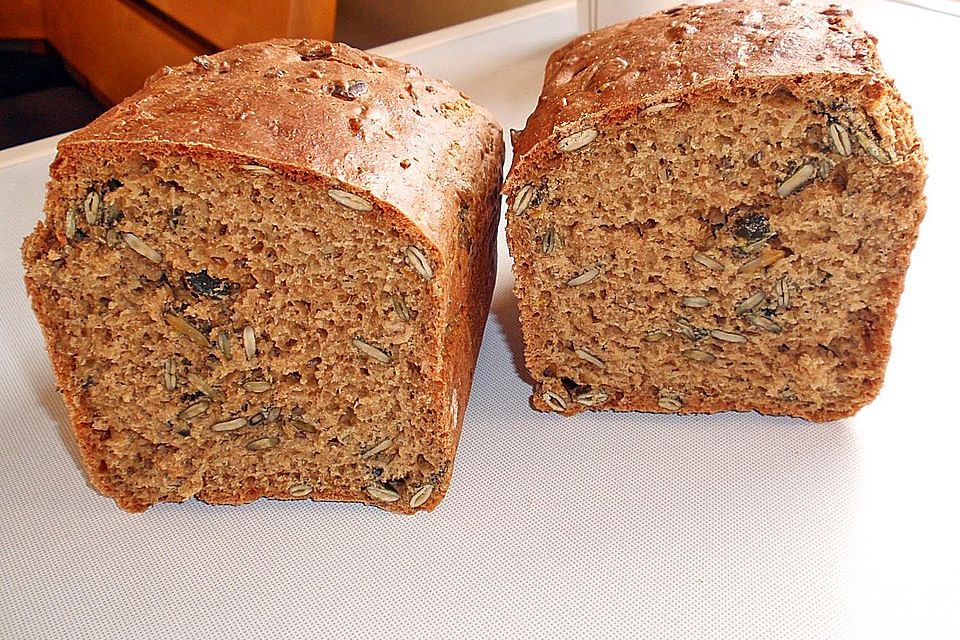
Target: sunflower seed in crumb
{"type": "Point", "coordinates": [764, 260]}
{"type": "Point", "coordinates": [383, 445]}
{"type": "Point", "coordinates": [271, 414]}
{"type": "Point", "coordinates": [223, 342]}
{"type": "Point", "coordinates": [585, 355]}
{"type": "Point", "coordinates": [113, 239]}
{"type": "Point", "coordinates": [751, 303]}
{"type": "Point", "coordinates": [194, 410]}
{"type": "Point", "coordinates": [256, 419]}
{"type": "Point", "coordinates": [202, 385]}
{"type": "Point", "coordinates": [584, 278]}
{"type": "Point", "coordinates": [696, 302]}
{"type": "Point", "coordinates": [591, 397]}
{"type": "Point", "coordinates": [708, 262]}
{"type": "Point", "coordinates": [170, 374]}
{"type": "Point", "coordinates": [670, 402]}
{"type": "Point", "coordinates": [824, 167]}
{"type": "Point", "coordinates": [727, 336]}
{"type": "Point", "coordinates": [258, 169]}
{"type": "Point", "coordinates": [250, 342]}
{"type": "Point", "coordinates": [70, 226]}
{"type": "Point", "coordinates": [699, 356]}
{"type": "Point", "coordinates": [400, 308]}
{"type": "Point", "coordinates": [756, 245]}
{"type": "Point", "coordinates": [689, 331]}
{"type": "Point", "coordinates": [654, 336]}
{"type": "Point", "coordinates": [795, 181]}
{"type": "Point", "coordinates": [420, 496]}
{"type": "Point", "coordinates": [380, 492]}
{"type": "Point", "coordinates": [91, 208]}
{"type": "Point", "coordinates": [304, 425]}
{"type": "Point", "coordinates": [840, 139]}
{"type": "Point", "coordinates": [554, 401]}
{"type": "Point", "coordinates": [230, 425]}
{"type": "Point", "coordinates": [372, 351]}
{"type": "Point", "coordinates": [874, 150]}
{"type": "Point", "coordinates": [180, 325]}
{"type": "Point", "coordinates": [782, 290]}
{"type": "Point", "coordinates": [137, 244]}
{"type": "Point", "coordinates": [419, 262]}
{"type": "Point", "coordinates": [657, 108]}
{"type": "Point", "coordinates": [577, 140]}
{"type": "Point", "coordinates": [257, 386]}
{"type": "Point", "coordinates": [350, 200]}
{"type": "Point", "coordinates": [764, 323]}
{"type": "Point", "coordinates": [551, 241]}
{"type": "Point", "coordinates": [260, 444]}
{"type": "Point", "coordinates": [300, 490]}
{"type": "Point", "coordinates": [523, 199]}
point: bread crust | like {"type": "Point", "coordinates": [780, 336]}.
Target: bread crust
{"type": "Point", "coordinates": [330, 116]}
{"type": "Point", "coordinates": [694, 53]}
{"type": "Point", "coordinates": [682, 52]}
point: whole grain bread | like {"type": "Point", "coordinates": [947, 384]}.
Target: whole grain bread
{"type": "Point", "coordinates": [713, 208]}
{"type": "Point", "coordinates": [267, 274]}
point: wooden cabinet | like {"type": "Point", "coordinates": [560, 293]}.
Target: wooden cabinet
{"type": "Point", "coordinates": [226, 23]}
{"type": "Point", "coordinates": [116, 44]}
{"type": "Point", "coordinates": [21, 20]}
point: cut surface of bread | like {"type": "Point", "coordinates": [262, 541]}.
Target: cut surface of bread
{"type": "Point", "coordinates": [267, 275]}
{"type": "Point", "coordinates": [713, 208]}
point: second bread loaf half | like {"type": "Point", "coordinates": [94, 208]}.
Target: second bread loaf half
{"type": "Point", "coordinates": [713, 208]}
{"type": "Point", "coordinates": [267, 275]}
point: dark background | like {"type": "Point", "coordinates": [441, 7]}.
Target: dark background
{"type": "Point", "coordinates": [38, 98]}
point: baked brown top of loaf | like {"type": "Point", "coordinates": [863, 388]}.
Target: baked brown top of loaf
{"type": "Point", "coordinates": [653, 59]}
{"type": "Point", "coordinates": [261, 101]}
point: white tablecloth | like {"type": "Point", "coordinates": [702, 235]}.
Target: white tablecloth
{"type": "Point", "coordinates": [599, 526]}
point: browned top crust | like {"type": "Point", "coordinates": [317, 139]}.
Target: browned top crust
{"type": "Point", "coordinates": [379, 125]}
{"type": "Point", "coordinates": [678, 51]}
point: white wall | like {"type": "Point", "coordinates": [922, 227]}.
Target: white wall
{"type": "Point", "coordinates": [369, 23]}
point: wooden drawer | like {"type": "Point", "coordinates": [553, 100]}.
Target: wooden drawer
{"type": "Point", "coordinates": [116, 44]}
{"type": "Point", "coordinates": [226, 24]}
{"type": "Point", "coordinates": [21, 20]}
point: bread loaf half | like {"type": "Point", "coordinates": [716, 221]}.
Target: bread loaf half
{"type": "Point", "coordinates": [713, 208]}
{"type": "Point", "coordinates": [267, 274]}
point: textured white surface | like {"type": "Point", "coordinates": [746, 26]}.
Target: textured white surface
{"type": "Point", "coordinates": [599, 526]}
